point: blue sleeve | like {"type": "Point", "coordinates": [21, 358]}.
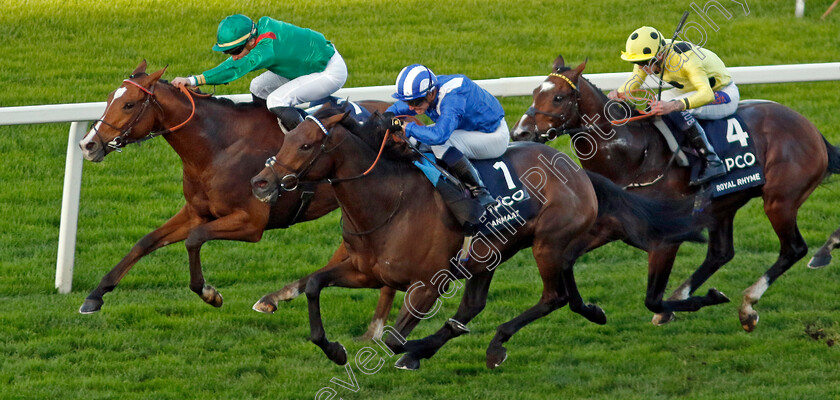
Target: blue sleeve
{"type": "Point", "coordinates": [451, 113]}
{"type": "Point", "coordinates": [400, 108]}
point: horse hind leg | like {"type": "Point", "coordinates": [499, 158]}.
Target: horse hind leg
{"type": "Point", "coordinates": [793, 248]}
{"type": "Point", "coordinates": [559, 289]}
{"type": "Point", "coordinates": [823, 256]}
{"type": "Point", "coordinates": [721, 250]}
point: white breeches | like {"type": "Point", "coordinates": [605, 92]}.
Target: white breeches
{"type": "Point", "coordinates": [711, 110]}
{"type": "Point", "coordinates": [477, 145]}
{"type": "Point", "coordinates": [281, 92]}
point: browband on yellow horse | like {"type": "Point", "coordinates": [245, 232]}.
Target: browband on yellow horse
{"type": "Point", "coordinates": [565, 79]}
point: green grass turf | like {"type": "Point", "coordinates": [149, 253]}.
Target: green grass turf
{"type": "Point", "coordinates": [155, 339]}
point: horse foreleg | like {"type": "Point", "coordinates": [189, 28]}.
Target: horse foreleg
{"type": "Point", "coordinates": [823, 256]}
{"type": "Point", "coordinates": [380, 315]}
{"type": "Point", "coordinates": [268, 303]}
{"type": "Point", "coordinates": [421, 302]}
{"type": "Point", "coordinates": [782, 216]}
{"type": "Point", "coordinates": [174, 230]}
{"type": "Point", "coordinates": [344, 274]}
{"type": "Point", "coordinates": [237, 226]}
{"type": "Point", "coordinates": [720, 250]}
{"type": "Point", "coordinates": [472, 302]}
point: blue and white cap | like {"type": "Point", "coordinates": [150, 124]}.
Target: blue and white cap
{"type": "Point", "coordinates": [414, 81]}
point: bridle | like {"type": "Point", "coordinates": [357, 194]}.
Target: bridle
{"type": "Point", "coordinates": [561, 130]}
{"type": "Point", "coordinates": [291, 181]}
{"type": "Point", "coordinates": [123, 139]}
{"type": "Point", "coordinates": [554, 132]}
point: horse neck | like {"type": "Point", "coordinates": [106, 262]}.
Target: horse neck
{"type": "Point", "coordinates": [391, 185]}
{"type": "Point", "coordinates": [209, 131]}
{"type": "Point", "coordinates": [622, 152]}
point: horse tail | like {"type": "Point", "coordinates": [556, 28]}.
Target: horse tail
{"type": "Point", "coordinates": [644, 220]}
{"type": "Point", "coordinates": [833, 158]}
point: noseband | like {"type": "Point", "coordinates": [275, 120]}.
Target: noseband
{"type": "Point", "coordinates": [557, 131]}
{"type": "Point", "coordinates": [290, 182]}
{"type": "Point", "coordinates": [122, 139]}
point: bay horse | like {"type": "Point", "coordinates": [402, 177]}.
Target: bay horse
{"type": "Point", "coordinates": [399, 233]}
{"type": "Point", "coordinates": [823, 255]}
{"type": "Point", "coordinates": [794, 154]}
{"type": "Point", "coordinates": [221, 146]}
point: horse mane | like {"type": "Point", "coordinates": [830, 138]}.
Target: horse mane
{"type": "Point", "coordinates": [371, 132]}
{"type": "Point", "coordinates": [600, 93]}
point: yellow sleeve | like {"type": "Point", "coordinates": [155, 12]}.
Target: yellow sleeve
{"type": "Point", "coordinates": [637, 78]}
{"type": "Point", "coordinates": [696, 74]}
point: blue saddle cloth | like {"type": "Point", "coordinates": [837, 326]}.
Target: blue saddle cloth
{"type": "Point", "coordinates": [514, 205]}
{"type": "Point", "coordinates": [733, 143]}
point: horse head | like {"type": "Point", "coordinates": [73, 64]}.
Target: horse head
{"type": "Point", "coordinates": [555, 107]}
{"type": "Point", "coordinates": [305, 154]}
{"type": "Point", "coordinates": [128, 115]}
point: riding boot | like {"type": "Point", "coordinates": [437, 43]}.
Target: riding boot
{"type": "Point", "coordinates": [464, 170]}
{"type": "Point", "coordinates": [257, 100]}
{"type": "Point", "coordinates": [288, 117]}
{"type": "Point", "coordinates": [712, 165]}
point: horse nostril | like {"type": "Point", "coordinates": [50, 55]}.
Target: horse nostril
{"type": "Point", "coordinates": [261, 184]}
{"type": "Point", "coordinates": [90, 146]}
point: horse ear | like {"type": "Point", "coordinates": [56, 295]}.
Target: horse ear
{"type": "Point", "coordinates": [141, 68]}
{"type": "Point", "coordinates": [332, 121]}
{"type": "Point", "coordinates": [579, 69]}
{"type": "Point", "coordinates": [156, 75]}
{"type": "Point", "coordinates": [559, 62]}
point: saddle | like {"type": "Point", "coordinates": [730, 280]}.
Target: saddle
{"type": "Point", "coordinates": [730, 138]}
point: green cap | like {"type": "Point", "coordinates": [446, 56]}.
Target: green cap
{"type": "Point", "coordinates": [234, 31]}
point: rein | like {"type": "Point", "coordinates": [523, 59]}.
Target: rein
{"type": "Point", "coordinates": [291, 181]}
{"type": "Point", "coordinates": [122, 140]}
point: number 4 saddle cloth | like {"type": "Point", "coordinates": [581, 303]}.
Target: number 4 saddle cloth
{"type": "Point", "coordinates": [733, 143]}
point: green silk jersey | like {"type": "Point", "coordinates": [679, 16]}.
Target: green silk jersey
{"type": "Point", "coordinates": [282, 48]}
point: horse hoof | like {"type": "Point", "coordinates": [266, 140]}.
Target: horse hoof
{"type": "Point", "coordinates": [407, 362]}
{"type": "Point", "coordinates": [496, 356]}
{"type": "Point", "coordinates": [749, 320]}
{"type": "Point", "coordinates": [336, 353]}
{"type": "Point", "coordinates": [716, 297]}
{"type": "Point", "coordinates": [212, 296]}
{"type": "Point", "coordinates": [819, 261]}
{"type": "Point", "coordinates": [90, 306]}
{"type": "Point", "coordinates": [663, 318]}
{"type": "Point", "coordinates": [264, 306]}
{"type": "Point", "coordinates": [595, 314]}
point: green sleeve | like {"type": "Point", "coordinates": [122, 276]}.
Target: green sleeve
{"type": "Point", "coordinates": [230, 70]}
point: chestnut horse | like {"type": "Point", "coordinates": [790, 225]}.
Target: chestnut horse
{"type": "Point", "coordinates": [794, 154]}
{"type": "Point", "coordinates": [399, 233]}
{"type": "Point", "coordinates": [221, 146]}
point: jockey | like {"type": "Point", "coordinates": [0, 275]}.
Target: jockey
{"type": "Point", "coordinates": [302, 65]}
{"type": "Point", "coordinates": [703, 88]}
{"type": "Point", "coordinates": [469, 122]}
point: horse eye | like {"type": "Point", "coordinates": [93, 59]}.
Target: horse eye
{"type": "Point", "coordinates": [558, 98]}
{"type": "Point", "coordinates": [306, 147]}
{"type": "Point", "coordinates": [128, 106]}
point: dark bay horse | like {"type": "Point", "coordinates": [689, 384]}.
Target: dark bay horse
{"type": "Point", "coordinates": [794, 154]}
{"type": "Point", "coordinates": [398, 232]}
{"type": "Point", "coordinates": [221, 147]}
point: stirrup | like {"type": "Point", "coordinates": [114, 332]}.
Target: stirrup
{"type": "Point", "coordinates": [464, 253]}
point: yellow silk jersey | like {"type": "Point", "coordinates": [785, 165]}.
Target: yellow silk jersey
{"type": "Point", "coordinates": [689, 68]}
